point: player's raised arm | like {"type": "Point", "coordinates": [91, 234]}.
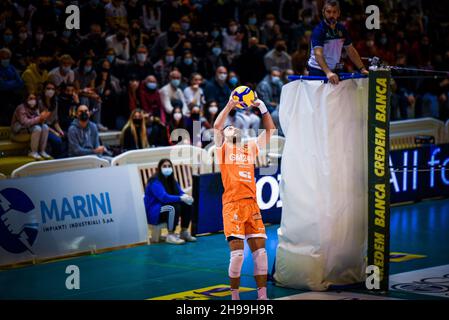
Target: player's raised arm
{"type": "Point", "coordinates": [220, 121]}
{"type": "Point", "coordinates": [264, 138]}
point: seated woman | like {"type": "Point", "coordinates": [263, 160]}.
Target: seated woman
{"type": "Point", "coordinates": [57, 139]}
{"type": "Point", "coordinates": [28, 124]}
{"type": "Point", "coordinates": [134, 133]}
{"type": "Point", "coordinates": [166, 202]}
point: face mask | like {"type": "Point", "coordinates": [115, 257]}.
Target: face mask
{"type": "Point", "coordinates": [222, 76]}
{"type": "Point", "coordinates": [5, 63]}
{"type": "Point", "coordinates": [214, 33]}
{"type": "Point", "coordinates": [331, 21]}
{"type": "Point", "coordinates": [233, 81]}
{"type": "Point", "coordinates": [233, 29]}
{"type": "Point", "coordinates": [87, 69]}
{"type": "Point", "coordinates": [167, 171]}
{"type": "Point", "coordinates": [275, 80]}
{"type": "Point", "coordinates": [32, 103]}
{"type": "Point", "coordinates": [49, 93]}
{"type": "Point", "coordinates": [188, 61]}
{"type": "Point", "coordinates": [213, 110]}
{"type": "Point", "coordinates": [270, 23]}
{"type": "Point", "coordinates": [169, 59]}
{"type": "Point", "coordinates": [383, 40]}
{"type": "Point", "coordinates": [175, 82]}
{"type": "Point", "coordinates": [137, 122]}
{"type": "Point", "coordinates": [216, 51]}
{"type": "Point", "coordinates": [84, 116]}
{"type": "Point", "coordinates": [252, 21]}
{"type": "Point", "coordinates": [8, 38]}
{"type": "Point", "coordinates": [66, 69]}
{"type": "Point", "coordinates": [141, 57]}
{"type": "Point", "coordinates": [39, 37]}
{"type": "Point", "coordinates": [177, 116]}
{"type": "Point", "coordinates": [151, 85]}
{"type": "Point", "coordinates": [110, 58]}
{"type": "Point", "coordinates": [23, 36]}
{"type": "Point", "coordinates": [185, 26]}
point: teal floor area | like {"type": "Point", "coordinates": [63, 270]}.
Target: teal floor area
{"type": "Point", "coordinates": [157, 270]}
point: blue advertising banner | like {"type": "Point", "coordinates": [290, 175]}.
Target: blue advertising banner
{"type": "Point", "coordinates": [415, 174]}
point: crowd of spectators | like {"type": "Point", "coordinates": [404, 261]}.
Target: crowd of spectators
{"type": "Point", "coordinates": [148, 67]}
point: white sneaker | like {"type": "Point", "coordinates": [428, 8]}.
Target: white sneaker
{"type": "Point", "coordinates": [173, 239]}
{"type": "Point", "coordinates": [35, 156]}
{"type": "Point", "coordinates": [185, 235]}
{"type": "Point", "coordinates": [45, 155]}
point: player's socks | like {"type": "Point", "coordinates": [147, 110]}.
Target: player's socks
{"type": "Point", "coordinates": [235, 294]}
{"type": "Point", "coordinates": [262, 293]}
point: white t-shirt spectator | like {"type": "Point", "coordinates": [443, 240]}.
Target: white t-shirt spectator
{"type": "Point", "coordinates": [168, 93]}
{"type": "Point", "coordinates": [56, 76]}
{"type": "Point", "coordinates": [195, 97]}
{"type": "Point", "coordinates": [121, 48]}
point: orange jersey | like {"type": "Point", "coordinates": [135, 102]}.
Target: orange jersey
{"type": "Point", "coordinates": [237, 170]}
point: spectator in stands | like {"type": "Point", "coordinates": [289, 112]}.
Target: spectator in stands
{"type": "Point", "coordinates": [158, 133]}
{"type": "Point", "coordinates": [11, 86]}
{"type": "Point", "coordinates": [269, 31]}
{"type": "Point", "coordinates": [137, 37]}
{"type": "Point", "coordinates": [36, 74]}
{"type": "Point", "coordinates": [172, 95]}
{"type": "Point", "coordinates": [120, 43]}
{"type": "Point", "coordinates": [85, 77]}
{"type": "Point", "coordinates": [170, 39]}
{"type": "Point", "coordinates": [210, 114]}
{"type": "Point", "coordinates": [92, 13]}
{"type": "Point", "coordinates": [217, 89]}
{"type": "Point", "coordinates": [108, 88]}
{"type": "Point", "coordinates": [250, 29]}
{"type": "Point", "coordinates": [165, 201]}
{"type": "Point", "coordinates": [251, 63]}
{"type": "Point", "coordinates": [194, 93]}
{"type": "Point", "coordinates": [68, 102]}
{"type": "Point", "coordinates": [83, 136]}
{"type": "Point", "coordinates": [134, 133]}
{"type": "Point", "coordinates": [48, 101]}
{"type": "Point", "coordinates": [141, 65]}
{"type": "Point", "coordinates": [233, 80]}
{"type": "Point", "coordinates": [150, 99]}
{"type": "Point", "coordinates": [187, 64]}
{"type": "Point", "coordinates": [232, 40]}
{"type": "Point", "coordinates": [28, 124]}
{"type": "Point", "coordinates": [164, 66]}
{"type": "Point", "coordinates": [278, 57]}
{"type": "Point", "coordinates": [63, 73]}
{"type": "Point", "coordinates": [151, 16]}
{"type": "Point", "coordinates": [94, 43]}
{"type": "Point", "coordinates": [115, 13]}
{"type": "Point", "coordinates": [214, 59]}
{"type": "Point", "coordinates": [178, 121]}
{"type": "Point", "coordinates": [269, 89]}
{"type": "Point", "coordinates": [22, 49]}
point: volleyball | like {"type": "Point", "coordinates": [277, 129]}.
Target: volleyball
{"type": "Point", "coordinates": [244, 95]}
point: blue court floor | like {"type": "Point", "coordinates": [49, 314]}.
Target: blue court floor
{"type": "Point", "coordinates": [419, 239]}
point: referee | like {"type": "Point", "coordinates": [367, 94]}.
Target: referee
{"type": "Point", "coordinates": [328, 39]}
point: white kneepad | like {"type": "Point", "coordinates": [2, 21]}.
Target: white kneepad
{"type": "Point", "coordinates": [235, 264]}
{"type": "Point", "coordinates": [260, 262]}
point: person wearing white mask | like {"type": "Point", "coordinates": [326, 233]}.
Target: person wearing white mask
{"type": "Point", "coordinates": [232, 40]}
{"type": "Point", "coordinates": [48, 101]}
{"type": "Point", "coordinates": [141, 66]}
{"type": "Point", "coordinates": [164, 66]}
{"type": "Point", "coordinates": [28, 124]}
{"type": "Point", "coordinates": [166, 202]}
{"type": "Point", "coordinates": [172, 94]}
{"type": "Point", "coordinates": [194, 93]}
